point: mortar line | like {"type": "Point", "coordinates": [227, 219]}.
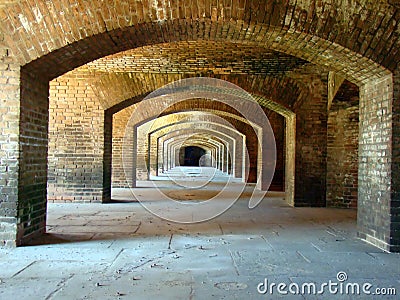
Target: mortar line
{"type": "Point", "coordinates": [116, 257]}
{"type": "Point", "coordinates": [20, 271]}
{"type": "Point", "coordinates": [59, 286]}
{"type": "Point", "coordinates": [137, 229]}
{"type": "Point", "coordinates": [170, 241]}
{"type": "Point", "coordinates": [220, 228]}
{"type": "Point", "coordinates": [267, 242]}
{"type": "Point", "coordinates": [302, 256]}
{"type": "Point", "coordinates": [234, 263]}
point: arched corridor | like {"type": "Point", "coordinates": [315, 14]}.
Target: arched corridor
{"type": "Point", "coordinates": [106, 101]}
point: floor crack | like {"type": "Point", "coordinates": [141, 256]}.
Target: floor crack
{"type": "Point", "coordinates": [170, 241]}
{"type": "Point", "coordinates": [220, 228]}
{"type": "Point", "coordinates": [20, 271]}
{"type": "Point", "coordinates": [234, 263]}
{"type": "Point", "coordinates": [60, 285]}
{"type": "Point", "coordinates": [137, 229]}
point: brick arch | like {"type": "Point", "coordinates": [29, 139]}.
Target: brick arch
{"type": "Point", "coordinates": [219, 109]}
{"type": "Point", "coordinates": [216, 145]}
{"type": "Point", "coordinates": [226, 111]}
{"type": "Point", "coordinates": [182, 132]}
{"type": "Point", "coordinates": [343, 61]}
{"type": "Point", "coordinates": [321, 35]}
{"type": "Point", "coordinates": [120, 90]}
{"type": "Point", "coordinates": [208, 121]}
{"type": "Point", "coordinates": [263, 131]}
{"type": "Point", "coordinates": [316, 31]}
{"type": "Point", "coordinates": [208, 142]}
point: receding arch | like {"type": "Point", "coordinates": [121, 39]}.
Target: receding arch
{"type": "Point", "coordinates": [198, 120]}
{"type": "Point", "coordinates": [235, 143]}
{"type": "Point", "coordinates": [371, 70]}
{"type": "Point", "coordinates": [212, 141]}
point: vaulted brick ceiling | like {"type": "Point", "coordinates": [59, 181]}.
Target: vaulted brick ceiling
{"type": "Point", "coordinates": [198, 58]}
{"type": "Point", "coordinates": [264, 47]}
{"type": "Point", "coordinates": [139, 71]}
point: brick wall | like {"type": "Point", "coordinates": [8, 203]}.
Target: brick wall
{"type": "Point", "coordinates": [342, 151]}
{"type": "Point", "coordinates": [9, 140]}
{"type": "Point", "coordinates": [395, 171]}
{"type": "Point", "coordinates": [375, 161]}
{"type": "Point", "coordinates": [311, 144]}
{"type": "Point", "coordinates": [76, 142]}
{"type": "Point", "coordinates": [278, 127]}
{"type": "Point", "coordinates": [32, 180]}
{"type": "Point", "coordinates": [120, 120]}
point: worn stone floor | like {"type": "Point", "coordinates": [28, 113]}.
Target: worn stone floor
{"type": "Point", "coordinates": [121, 251]}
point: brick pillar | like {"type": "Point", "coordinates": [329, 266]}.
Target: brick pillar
{"type": "Point", "coordinates": [290, 158]}
{"type": "Point", "coordinates": [33, 144]}
{"type": "Point", "coordinates": [311, 145]}
{"type": "Point", "coordinates": [76, 141]}
{"type": "Point", "coordinates": [9, 149]}
{"type": "Point", "coordinates": [252, 149]}
{"type": "Point", "coordinates": [379, 157]}
{"type": "Point", "coordinates": [266, 159]}
{"type": "Point", "coordinates": [107, 156]}
{"type": "Point", "coordinates": [239, 151]}
{"type": "Point", "coordinates": [342, 157]}
{"type": "Point", "coordinates": [395, 192]}
{"type": "Point", "coordinates": [119, 125]}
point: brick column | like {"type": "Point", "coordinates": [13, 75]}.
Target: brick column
{"type": "Point", "coordinates": [379, 157]}
{"type": "Point", "coordinates": [342, 155]}
{"type": "Point", "coordinates": [9, 149]}
{"type": "Point", "coordinates": [76, 141]}
{"type": "Point", "coordinates": [395, 192]}
{"type": "Point", "coordinates": [107, 156]}
{"type": "Point", "coordinates": [33, 143]}
{"type": "Point", "coordinates": [311, 145]}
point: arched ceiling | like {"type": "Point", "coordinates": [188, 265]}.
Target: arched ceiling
{"type": "Point", "coordinates": [357, 39]}
{"type": "Point", "coordinates": [131, 47]}
{"type": "Point", "coordinates": [198, 58]}
{"type": "Point", "coordinates": [126, 74]}
{"type": "Point", "coordinates": [68, 21]}
{"type": "Point", "coordinates": [119, 90]}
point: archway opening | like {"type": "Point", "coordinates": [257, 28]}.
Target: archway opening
{"type": "Point", "coordinates": [190, 156]}
{"type": "Point", "coordinates": [27, 183]}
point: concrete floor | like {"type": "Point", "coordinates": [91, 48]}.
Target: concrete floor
{"type": "Point", "coordinates": [121, 251]}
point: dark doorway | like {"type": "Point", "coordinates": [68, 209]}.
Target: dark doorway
{"type": "Point", "coordinates": [190, 156]}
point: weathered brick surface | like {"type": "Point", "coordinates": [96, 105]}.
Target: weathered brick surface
{"type": "Point", "coordinates": [9, 146]}
{"type": "Point", "coordinates": [120, 120]}
{"type": "Point", "coordinates": [342, 157]}
{"type": "Point", "coordinates": [33, 139]}
{"type": "Point", "coordinates": [290, 28]}
{"type": "Point", "coordinates": [395, 168]}
{"type": "Point", "coordinates": [375, 161]}
{"type": "Point", "coordinates": [359, 42]}
{"type": "Point", "coordinates": [311, 144]}
{"type": "Point", "coordinates": [76, 142]}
